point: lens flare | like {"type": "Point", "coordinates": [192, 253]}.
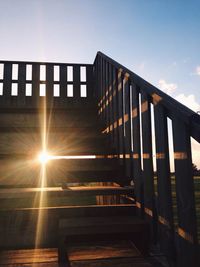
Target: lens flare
{"type": "Point", "coordinates": [43, 157]}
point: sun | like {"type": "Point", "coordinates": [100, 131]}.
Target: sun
{"type": "Point", "coordinates": [43, 157]}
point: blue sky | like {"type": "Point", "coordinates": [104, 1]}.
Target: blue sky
{"type": "Point", "coordinates": [157, 39]}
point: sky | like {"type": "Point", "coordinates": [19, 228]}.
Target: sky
{"type": "Point", "coordinates": [157, 39]}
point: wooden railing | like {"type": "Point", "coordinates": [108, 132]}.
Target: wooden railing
{"type": "Point", "coordinates": [124, 102]}
{"type": "Point", "coordinates": [24, 84]}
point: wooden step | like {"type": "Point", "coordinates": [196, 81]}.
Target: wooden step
{"type": "Point", "coordinates": [68, 143]}
{"type": "Point", "coordinates": [102, 250]}
{"type": "Point", "coordinates": [47, 257]}
{"type": "Point", "coordinates": [100, 225]}
{"type": "Point", "coordinates": [60, 118]}
{"type": "Point", "coordinates": [71, 211]}
{"type": "Point", "coordinates": [28, 171]}
{"type": "Point", "coordinates": [104, 228]}
{"type": "Point", "coordinates": [18, 226]}
{"type": "Point", "coordinates": [123, 262]}
{"type": "Point", "coordinates": [79, 178]}
{"type": "Point", "coordinates": [106, 253]}
{"type": "Point", "coordinates": [78, 131]}
{"type": "Point", "coordinates": [65, 192]}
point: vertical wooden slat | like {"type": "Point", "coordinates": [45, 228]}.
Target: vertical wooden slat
{"type": "Point", "coordinates": [100, 74]}
{"type": "Point", "coordinates": [127, 125]}
{"type": "Point", "coordinates": [89, 83]}
{"type": "Point", "coordinates": [35, 83]}
{"type": "Point", "coordinates": [111, 104]}
{"type": "Point", "coordinates": [21, 99]}
{"type": "Point", "coordinates": [76, 83]}
{"type": "Point", "coordinates": [115, 110]}
{"type": "Point", "coordinates": [63, 84]}
{"type": "Point", "coordinates": [106, 99]}
{"type": "Point", "coordinates": [49, 85]}
{"type": "Point", "coordinates": [148, 176]}
{"type": "Point", "coordinates": [137, 171]}
{"type": "Point", "coordinates": [164, 198]}
{"type": "Point", "coordinates": [104, 90]}
{"type": "Point", "coordinates": [6, 99]}
{"type": "Point", "coordinates": [120, 117]}
{"type": "Point", "coordinates": [187, 228]}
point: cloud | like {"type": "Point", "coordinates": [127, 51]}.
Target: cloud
{"type": "Point", "coordinates": [168, 88]}
{"type": "Point", "coordinates": [188, 101]}
{"type": "Point", "coordinates": [197, 70]}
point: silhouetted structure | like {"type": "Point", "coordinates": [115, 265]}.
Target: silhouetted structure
{"type": "Point", "coordinates": [100, 109]}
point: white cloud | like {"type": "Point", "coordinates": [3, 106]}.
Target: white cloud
{"type": "Point", "coordinates": [168, 88]}
{"type": "Point", "coordinates": [189, 101]}
{"type": "Point", "coordinates": [195, 152]}
{"type": "Point", "coordinates": [197, 70]}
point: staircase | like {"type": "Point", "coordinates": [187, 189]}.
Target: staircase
{"type": "Point", "coordinates": [92, 203]}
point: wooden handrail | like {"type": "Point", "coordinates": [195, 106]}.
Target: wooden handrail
{"type": "Point", "coordinates": [172, 106]}
{"type": "Point", "coordinates": [124, 101]}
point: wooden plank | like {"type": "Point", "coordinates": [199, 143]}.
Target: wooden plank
{"type": "Point", "coordinates": [137, 172]}
{"type": "Point", "coordinates": [68, 191]}
{"type": "Point", "coordinates": [127, 127]}
{"type": "Point", "coordinates": [24, 171]}
{"type": "Point", "coordinates": [65, 178]}
{"type": "Point", "coordinates": [124, 262]}
{"type": "Point", "coordinates": [68, 143]}
{"type": "Point", "coordinates": [57, 119]}
{"type": "Point", "coordinates": [85, 132]}
{"type": "Point", "coordinates": [73, 211]}
{"type": "Point", "coordinates": [6, 98]}
{"type": "Point", "coordinates": [102, 250]}
{"type": "Point", "coordinates": [29, 257]}
{"type": "Point", "coordinates": [21, 99]}
{"type": "Point", "coordinates": [148, 178]}
{"type": "Point", "coordinates": [49, 86]}
{"type": "Point", "coordinates": [90, 82]}
{"type": "Point", "coordinates": [187, 228]}
{"type": "Point", "coordinates": [164, 199]}
{"type": "Point", "coordinates": [110, 105]}
{"type": "Point", "coordinates": [120, 126]}
{"type": "Point", "coordinates": [76, 83]}
{"type": "Point", "coordinates": [34, 99]}
{"type": "Point", "coordinates": [115, 111]}
{"type": "Point", "coordinates": [101, 225]}
{"type": "Point", "coordinates": [63, 84]}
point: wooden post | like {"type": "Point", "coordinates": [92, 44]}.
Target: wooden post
{"type": "Point", "coordinates": [164, 198]}
{"type": "Point", "coordinates": [187, 228]}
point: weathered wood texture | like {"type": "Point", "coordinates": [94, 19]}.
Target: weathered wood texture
{"type": "Point", "coordinates": [29, 257]}
{"type": "Point", "coordinates": [134, 123]}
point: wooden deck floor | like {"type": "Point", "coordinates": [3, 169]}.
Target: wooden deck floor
{"type": "Point", "coordinates": [93, 254]}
